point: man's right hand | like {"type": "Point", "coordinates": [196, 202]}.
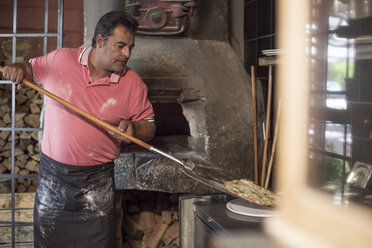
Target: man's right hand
{"type": "Point", "coordinates": [17, 72]}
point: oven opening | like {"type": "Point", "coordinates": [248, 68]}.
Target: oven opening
{"type": "Point", "coordinates": [172, 128]}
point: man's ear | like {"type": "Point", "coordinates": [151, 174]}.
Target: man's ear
{"type": "Point", "coordinates": [99, 40]}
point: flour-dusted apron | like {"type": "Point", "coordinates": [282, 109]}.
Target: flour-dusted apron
{"type": "Point", "coordinates": [74, 205]}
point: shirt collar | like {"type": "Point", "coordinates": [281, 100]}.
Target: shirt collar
{"type": "Point", "coordinates": [83, 60]}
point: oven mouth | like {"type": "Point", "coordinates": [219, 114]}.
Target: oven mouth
{"type": "Point", "coordinates": [174, 130]}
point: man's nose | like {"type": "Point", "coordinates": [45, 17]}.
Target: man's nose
{"type": "Point", "coordinates": [126, 51]}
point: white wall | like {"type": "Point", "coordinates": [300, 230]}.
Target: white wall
{"type": "Point", "coordinates": [93, 10]}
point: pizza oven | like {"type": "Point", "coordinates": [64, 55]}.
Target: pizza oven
{"type": "Point", "coordinates": [199, 89]}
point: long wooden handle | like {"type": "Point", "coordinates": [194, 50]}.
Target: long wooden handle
{"type": "Point", "coordinates": [253, 79]}
{"type": "Point", "coordinates": [267, 129]}
{"type": "Point", "coordinates": [85, 114]}
{"type": "Point", "coordinates": [274, 145]}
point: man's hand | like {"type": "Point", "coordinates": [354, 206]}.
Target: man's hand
{"type": "Point", "coordinates": [125, 126]}
{"type": "Point", "coordinates": [17, 72]}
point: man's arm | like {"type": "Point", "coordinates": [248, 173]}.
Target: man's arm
{"type": "Point", "coordinates": [143, 130]}
{"type": "Point", "coordinates": [18, 71]}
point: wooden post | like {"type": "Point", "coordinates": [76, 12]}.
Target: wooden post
{"type": "Point", "coordinates": [267, 130]}
{"type": "Point", "coordinates": [274, 145]}
{"type": "Point", "coordinates": [253, 79]}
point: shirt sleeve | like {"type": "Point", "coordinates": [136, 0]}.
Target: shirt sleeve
{"type": "Point", "coordinates": [42, 65]}
{"type": "Point", "coordinates": [142, 108]}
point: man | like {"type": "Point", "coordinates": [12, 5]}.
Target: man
{"type": "Point", "coordinates": [74, 205]}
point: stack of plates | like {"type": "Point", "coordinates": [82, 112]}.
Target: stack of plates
{"type": "Point", "coordinates": [247, 208]}
{"type": "Point", "coordinates": [272, 52]}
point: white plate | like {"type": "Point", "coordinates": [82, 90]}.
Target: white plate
{"type": "Point", "coordinates": [271, 52]}
{"type": "Point", "coordinates": [247, 208]}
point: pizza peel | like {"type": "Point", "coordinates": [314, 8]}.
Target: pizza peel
{"type": "Point", "coordinates": [198, 168]}
{"type": "Point", "coordinates": [194, 166]}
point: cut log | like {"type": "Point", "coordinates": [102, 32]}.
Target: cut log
{"type": "Point", "coordinates": [34, 108]}
{"type": "Point", "coordinates": [18, 151]}
{"type": "Point", "coordinates": [171, 234]}
{"type": "Point", "coordinates": [133, 209]}
{"type": "Point", "coordinates": [21, 98]}
{"type": "Point", "coordinates": [22, 158]}
{"type": "Point", "coordinates": [5, 108]}
{"type": "Point", "coordinates": [2, 168]}
{"type": "Point", "coordinates": [30, 149]}
{"type": "Point", "coordinates": [32, 165]}
{"type": "Point", "coordinates": [19, 116]}
{"type": "Point", "coordinates": [36, 157]}
{"type": "Point", "coordinates": [2, 143]}
{"type": "Point", "coordinates": [136, 244]}
{"type": "Point", "coordinates": [7, 119]}
{"type": "Point", "coordinates": [33, 120]}
{"type": "Point", "coordinates": [132, 229]}
{"type": "Point", "coordinates": [146, 221]}
{"type": "Point", "coordinates": [154, 240]}
{"type": "Point", "coordinates": [166, 217]}
{"type": "Point", "coordinates": [158, 219]}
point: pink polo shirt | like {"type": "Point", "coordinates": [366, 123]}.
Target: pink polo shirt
{"type": "Point", "coordinates": [70, 138]}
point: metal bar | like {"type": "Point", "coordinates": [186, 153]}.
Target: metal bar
{"type": "Point", "coordinates": [20, 129]}
{"type": "Point", "coordinates": [18, 223]}
{"type": "Point", "coordinates": [343, 92]}
{"type": "Point", "coordinates": [166, 155]}
{"type": "Point", "coordinates": [329, 154]}
{"type": "Point", "coordinates": [343, 176]}
{"type": "Point", "coordinates": [5, 82]}
{"type": "Point", "coordinates": [30, 35]}
{"type": "Point", "coordinates": [14, 56]}
{"type": "Point", "coordinates": [46, 26]}
{"type": "Point", "coordinates": [17, 176]}
{"type": "Point", "coordinates": [343, 172]}
{"type": "Point", "coordinates": [180, 1]}
{"type": "Point", "coordinates": [262, 37]}
{"type": "Point", "coordinates": [60, 24]}
{"type": "Point", "coordinates": [13, 162]}
{"type": "Point", "coordinates": [250, 2]}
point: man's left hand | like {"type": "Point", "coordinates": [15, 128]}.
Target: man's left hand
{"type": "Point", "coordinates": [125, 126]}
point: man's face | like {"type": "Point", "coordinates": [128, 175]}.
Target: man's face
{"type": "Point", "coordinates": [115, 50]}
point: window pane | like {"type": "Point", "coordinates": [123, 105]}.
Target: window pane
{"type": "Point", "coordinates": [336, 101]}
{"type": "Point", "coordinates": [335, 138]}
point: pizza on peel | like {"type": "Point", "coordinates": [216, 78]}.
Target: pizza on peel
{"type": "Point", "coordinates": [251, 192]}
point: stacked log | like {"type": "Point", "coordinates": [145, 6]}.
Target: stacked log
{"type": "Point", "coordinates": [27, 157]}
{"type": "Point", "coordinates": [150, 220]}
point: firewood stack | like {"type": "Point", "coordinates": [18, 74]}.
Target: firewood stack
{"type": "Point", "coordinates": [150, 219]}
{"type": "Point", "coordinates": [27, 157]}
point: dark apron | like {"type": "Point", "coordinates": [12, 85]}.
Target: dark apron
{"type": "Point", "coordinates": [74, 205]}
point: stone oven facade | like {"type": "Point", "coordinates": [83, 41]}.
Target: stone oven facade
{"type": "Point", "coordinates": [201, 94]}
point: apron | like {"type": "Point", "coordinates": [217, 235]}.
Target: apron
{"type": "Point", "coordinates": [74, 205]}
